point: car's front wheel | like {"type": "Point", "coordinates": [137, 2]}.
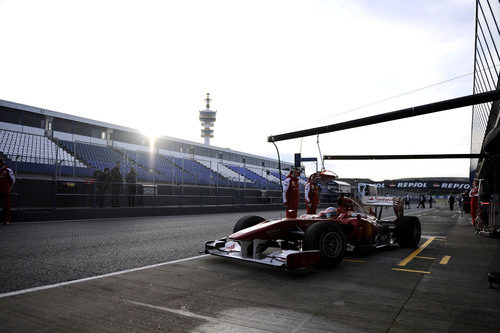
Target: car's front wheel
{"type": "Point", "coordinates": [247, 222]}
{"type": "Point", "coordinates": [329, 239]}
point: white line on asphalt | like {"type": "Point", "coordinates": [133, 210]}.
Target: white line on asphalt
{"type": "Point", "coordinates": [179, 312]}
{"type": "Point", "coordinates": [231, 325]}
{"type": "Point", "coordinates": [410, 213]}
{"type": "Point", "coordinates": [60, 284]}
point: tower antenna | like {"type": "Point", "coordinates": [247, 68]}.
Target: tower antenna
{"type": "Point", "coordinates": [207, 118]}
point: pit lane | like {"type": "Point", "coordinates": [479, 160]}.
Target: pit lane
{"type": "Point", "coordinates": [214, 294]}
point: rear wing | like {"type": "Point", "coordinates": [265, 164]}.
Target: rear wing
{"type": "Point", "coordinates": [381, 201]}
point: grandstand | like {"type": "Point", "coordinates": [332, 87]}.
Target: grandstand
{"type": "Point", "coordinates": [44, 144]}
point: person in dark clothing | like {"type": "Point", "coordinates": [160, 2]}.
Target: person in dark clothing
{"type": "Point", "coordinates": [103, 185]}
{"type": "Point", "coordinates": [407, 201]}
{"type": "Point", "coordinates": [116, 179]}
{"type": "Point", "coordinates": [431, 200]}
{"type": "Point", "coordinates": [7, 180]}
{"type": "Point", "coordinates": [451, 201]}
{"type": "Point", "coordinates": [419, 201]}
{"type": "Point", "coordinates": [131, 179]}
{"type": "Point", "coordinates": [423, 200]}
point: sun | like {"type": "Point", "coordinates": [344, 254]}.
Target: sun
{"type": "Point", "coordinates": [152, 132]}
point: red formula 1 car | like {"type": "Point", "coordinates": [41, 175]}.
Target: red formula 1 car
{"type": "Point", "coordinates": [321, 239]}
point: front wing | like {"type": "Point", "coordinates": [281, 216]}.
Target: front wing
{"type": "Point", "coordinates": [288, 259]}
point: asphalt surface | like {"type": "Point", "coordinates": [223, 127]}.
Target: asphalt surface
{"type": "Point", "coordinates": [41, 253]}
{"type": "Point", "coordinates": [441, 286]}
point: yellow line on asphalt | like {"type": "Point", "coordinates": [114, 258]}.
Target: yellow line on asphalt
{"type": "Point", "coordinates": [352, 260]}
{"type": "Point", "coordinates": [445, 260]}
{"type": "Point", "coordinates": [430, 258]}
{"type": "Point", "coordinates": [410, 270]}
{"type": "Point", "coordinates": [416, 252]}
{"type": "Point", "coordinates": [441, 239]}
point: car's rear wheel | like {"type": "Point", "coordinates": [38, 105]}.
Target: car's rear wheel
{"type": "Point", "coordinates": [329, 239]}
{"type": "Point", "coordinates": [408, 231]}
{"type": "Point", "coordinates": [247, 222]}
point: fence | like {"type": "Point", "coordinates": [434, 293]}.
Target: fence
{"type": "Point", "coordinates": [28, 153]}
{"type": "Point", "coordinates": [61, 193]}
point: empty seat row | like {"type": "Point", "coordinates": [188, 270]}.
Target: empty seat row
{"type": "Point", "coordinates": [32, 148]}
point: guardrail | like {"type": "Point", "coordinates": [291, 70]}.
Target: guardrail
{"type": "Point", "coordinates": [56, 193]}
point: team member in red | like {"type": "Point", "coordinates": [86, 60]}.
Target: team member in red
{"type": "Point", "coordinates": [291, 193]}
{"type": "Point", "coordinates": [312, 196]}
{"type": "Point", "coordinates": [7, 180]}
{"type": "Point", "coordinates": [474, 201]}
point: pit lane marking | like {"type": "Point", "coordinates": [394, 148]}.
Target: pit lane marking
{"type": "Point", "coordinates": [353, 260]}
{"type": "Point", "coordinates": [445, 260]}
{"type": "Point", "coordinates": [235, 327]}
{"type": "Point", "coordinates": [410, 270]}
{"type": "Point", "coordinates": [416, 252]}
{"type": "Point", "coordinates": [430, 258]}
{"type": "Point", "coordinates": [60, 284]}
{"type": "Point", "coordinates": [175, 311]}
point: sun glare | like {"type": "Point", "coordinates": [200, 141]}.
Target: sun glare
{"type": "Point", "coordinates": [152, 134]}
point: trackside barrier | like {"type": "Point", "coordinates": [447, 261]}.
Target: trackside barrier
{"type": "Point", "coordinates": [73, 193]}
{"type": "Point", "coordinates": [32, 193]}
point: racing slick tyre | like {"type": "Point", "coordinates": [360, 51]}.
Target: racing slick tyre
{"type": "Point", "coordinates": [408, 231]}
{"type": "Point", "coordinates": [247, 222]}
{"type": "Point", "coordinates": [329, 239]}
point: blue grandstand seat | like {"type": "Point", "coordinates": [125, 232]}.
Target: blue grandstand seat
{"type": "Point", "coordinates": [257, 181]}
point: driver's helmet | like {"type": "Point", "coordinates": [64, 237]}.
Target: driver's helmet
{"type": "Point", "coordinates": [330, 212]}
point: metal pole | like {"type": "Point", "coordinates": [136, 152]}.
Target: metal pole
{"type": "Point", "coordinates": [217, 175]}
{"type": "Point", "coordinates": [74, 158]}
{"type": "Point", "coordinates": [459, 102]}
{"type": "Point", "coordinates": [262, 181]}
{"type": "Point", "coordinates": [57, 160]}
{"type": "Point", "coordinates": [154, 190]}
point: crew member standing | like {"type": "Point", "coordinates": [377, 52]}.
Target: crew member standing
{"type": "Point", "coordinates": [7, 180]}
{"type": "Point", "coordinates": [131, 179]}
{"type": "Point", "coordinates": [312, 196]}
{"type": "Point", "coordinates": [117, 180]}
{"type": "Point", "coordinates": [474, 202]}
{"type": "Point", "coordinates": [291, 193]}
{"type": "Point", "coordinates": [103, 186]}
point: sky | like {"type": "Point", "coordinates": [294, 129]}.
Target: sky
{"type": "Point", "coordinates": [270, 67]}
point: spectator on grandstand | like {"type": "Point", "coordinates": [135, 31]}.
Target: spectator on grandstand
{"type": "Point", "coordinates": [116, 183]}
{"type": "Point", "coordinates": [103, 185]}
{"type": "Point", "coordinates": [7, 181]}
{"type": "Point", "coordinates": [131, 179]}
{"type": "Point", "coordinates": [451, 201]}
{"type": "Point", "coordinates": [407, 201]}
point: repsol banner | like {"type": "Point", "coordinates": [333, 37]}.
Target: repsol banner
{"type": "Point", "coordinates": [424, 185]}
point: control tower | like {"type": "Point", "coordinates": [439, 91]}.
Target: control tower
{"type": "Point", "coordinates": [207, 118]}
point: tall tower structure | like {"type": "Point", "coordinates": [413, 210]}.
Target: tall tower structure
{"type": "Point", "coordinates": [207, 118]}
